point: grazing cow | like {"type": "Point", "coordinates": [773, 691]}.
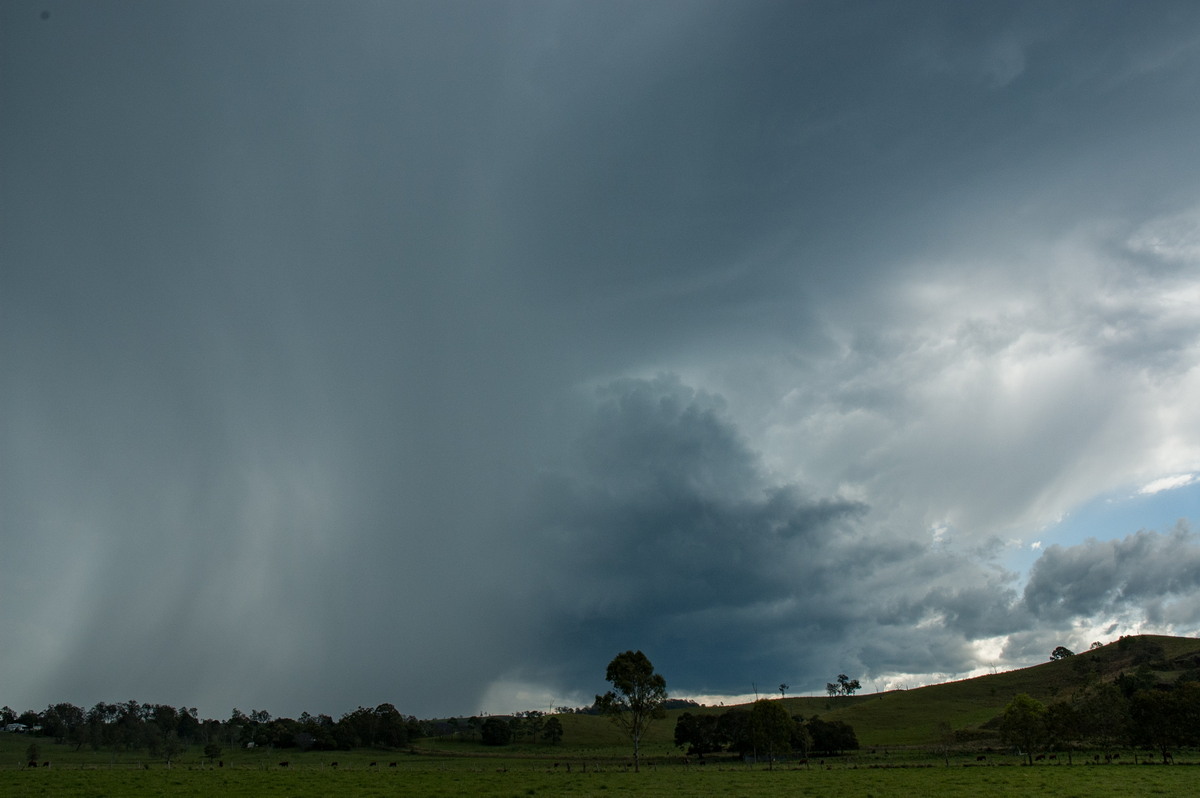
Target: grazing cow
{"type": "Point", "coordinates": [221, 763]}
{"type": "Point", "coordinates": [391, 764]}
{"type": "Point", "coordinates": [333, 764]}
{"type": "Point", "coordinates": [31, 764]}
{"type": "Point", "coordinates": [1116, 756]}
{"type": "Point", "coordinates": [1053, 756]}
{"type": "Point", "coordinates": [285, 764]}
{"type": "Point", "coordinates": [373, 764]}
{"type": "Point", "coordinates": [45, 764]}
{"type": "Point", "coordinates": [981, 758]}
{"type": "Point", "coordinates": [1039, 757]}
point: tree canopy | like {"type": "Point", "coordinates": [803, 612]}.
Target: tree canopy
{"type": "Point", "coordinates": [1023, 724]}
{"type": "Point", "coordinates": [636, 699]}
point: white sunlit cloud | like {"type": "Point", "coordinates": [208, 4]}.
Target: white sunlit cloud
{"type": "Point", "coordinates": [1168, 483]}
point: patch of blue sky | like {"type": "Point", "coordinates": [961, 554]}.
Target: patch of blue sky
{"type": "Point", "coordinates": [1157, 506]}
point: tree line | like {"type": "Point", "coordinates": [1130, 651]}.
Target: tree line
{"type": "Point", "coordinates": [166, 731]}
{"type": "Point", "coordinates": [1154, 706]}
{"type": "Point", "coordinates": [765, 731]}
{"type": "Point", "coordinates": [1132, 711]}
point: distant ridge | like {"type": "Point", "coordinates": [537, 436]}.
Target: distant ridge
{"type": "Point", "coordinates": [911, 717]}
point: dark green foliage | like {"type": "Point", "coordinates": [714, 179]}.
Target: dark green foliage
{"type": "Point", "coordinates": [552, 730]}
{"type": "Point", "coordinates": [765, 730]}
{"type": "Point", "coordinates": [1064, 727]}
{"type": "Point", "coordinates": [1166, 719]}
{"type": "Point", "coordinates": [733, 730]}
{"type": "Point", "coordinates": [802, 741]}
{"type": "Point", "coordinates": [843, 686]}
{"type": "Point", "coordinates": [1190, 675]}
{"type": "Point", "coordinates": [831, 737]}
{"type": "Point", "coordinates": [63, 722]}
{"type": "Point", "coordinates": [1023, 724]}
{"type": "Point", "coordinates": [1144, 650]}
{"type": "Point", "coordinates": [771, 730]}
{"type": "Point", "coordinates": [496, 731]}
{"type": "Point", "coordinates": [167, 732]}
{"type": "Point", "coordinates": [528, 725]}
{"type": "Point", "coordinates": [381, 727]}
{"type": "Point", "coordinates": [1061, 652]}
{"type": "Point", "coordinates": [1141, 679]}
{"type": "Point", "coordinates": [698, 734]}
{"type": "Point", "coordinates": [1104, 716]}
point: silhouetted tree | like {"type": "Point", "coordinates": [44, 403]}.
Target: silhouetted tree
{"type": "Point", "coordinates": [733, 729]}
{"type": "Point", "coordinates": [832, 736]}
{"type": "Point", "coordinates": [496, 731]}
{"type": "Point", "coordinates": [552, 730]}
{"type": "Point", "coordinates": [63, 722]}
{"type": "Point", "coordinates": [391, 729]}
{"type": "Point", "coordinates": [1023, 724]}
{"type": "Point", "coordinates": [770, 730]}
{"type": "Point", "coordinates": [1063, 727]}
{"type": "Point", "coordinates": [846, 685]}
{"type": "Point", "coordinates": [1104, 715]}
{"type": "Point", "coordinates": [1166, 719]}
{"type": "Point", "coordinates": [636, 698]}
{"type": "Point", "coordinates": [699, 734]}
{"type": "Point", "coordinates": [171, 746]}
{"type": "Point", "coordinates": [801, 738]}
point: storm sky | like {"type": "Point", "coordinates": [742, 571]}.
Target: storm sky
{"type": "Point", "coordinates": [436, 352]}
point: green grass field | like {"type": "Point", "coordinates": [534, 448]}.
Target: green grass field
{"type": "Point", "coordinates": [420, 777]}
{"type": "Point", "coordinates": [597, 766]}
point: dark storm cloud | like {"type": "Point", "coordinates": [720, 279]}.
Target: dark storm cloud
{"type": "Point", "coordinates": [296, 302]}
{"type": "Point", "coordinates": [666, 533]}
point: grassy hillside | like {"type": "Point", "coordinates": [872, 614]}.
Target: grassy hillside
{"type": "Point", "coordinates": [912, 717]}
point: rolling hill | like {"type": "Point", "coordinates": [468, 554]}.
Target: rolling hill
{"type": "Point", "coordinates": [912, 717]}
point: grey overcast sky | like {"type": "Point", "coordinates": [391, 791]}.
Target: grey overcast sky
{"type": "Point", "coordinates": [435, 352]}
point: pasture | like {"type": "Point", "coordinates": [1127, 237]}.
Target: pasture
{"type": "Point", "coordinates": [596, 768]}
{"type": "Point", "coordinates": [512, 778]}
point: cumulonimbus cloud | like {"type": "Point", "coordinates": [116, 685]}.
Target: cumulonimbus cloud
{"type": "Point", "coordinates": [662, 531]}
